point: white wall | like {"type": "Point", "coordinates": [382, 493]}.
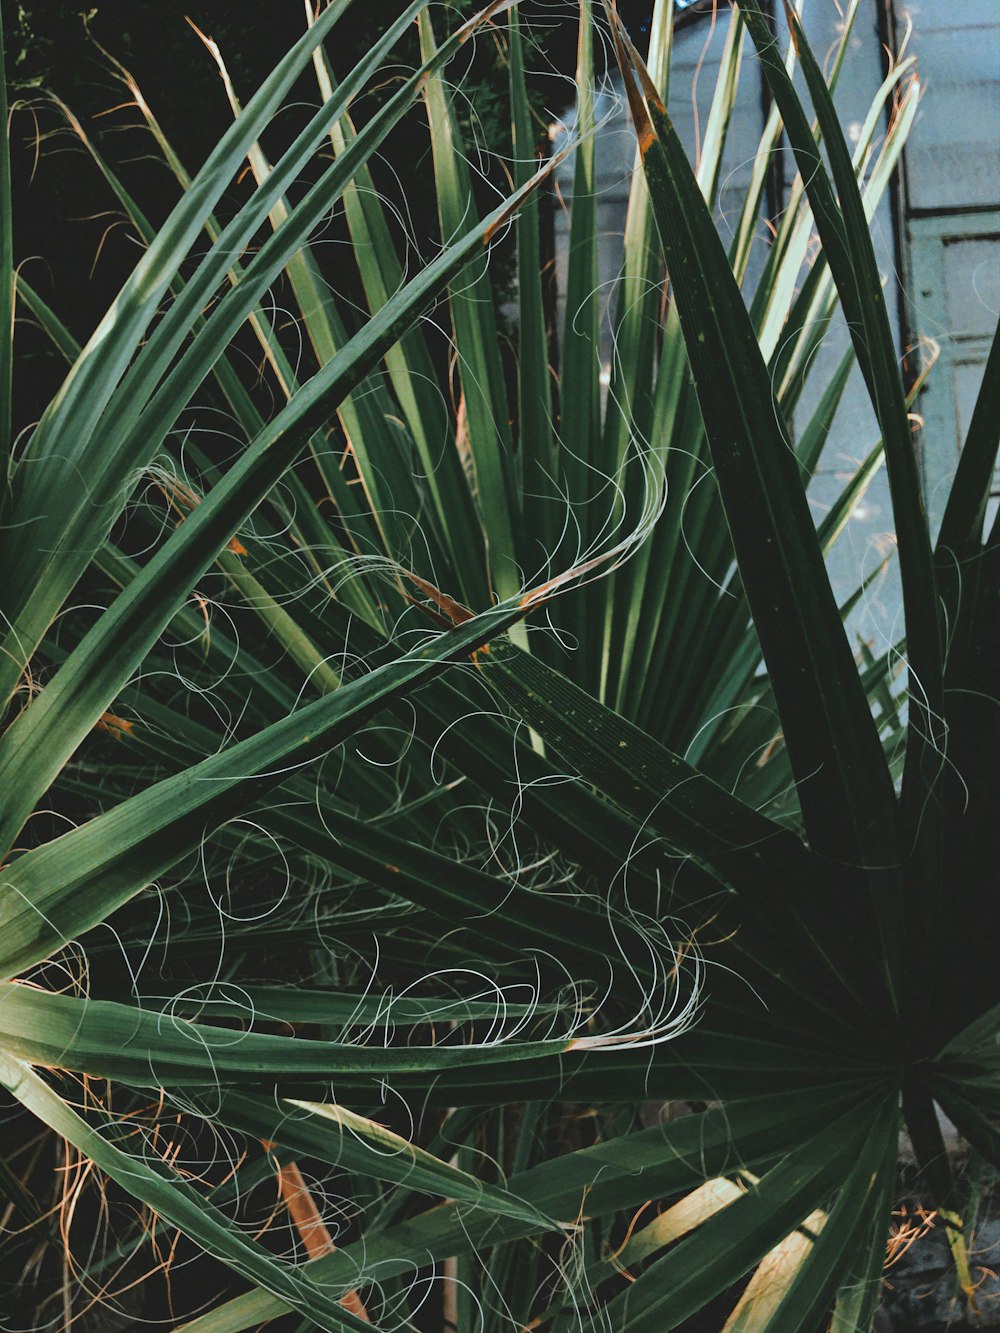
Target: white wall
{"type": "Point", "coordinates": [949, 286]}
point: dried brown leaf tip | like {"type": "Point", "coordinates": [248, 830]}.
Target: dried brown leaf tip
{"type": "Point", "coordinates": [179, 494]}
{"type": "Point", "coordinates": [497, 226]}
{"type": "Point", "coordinates": [491, 11]}
{"type": "Point", "coordinates": [456, 613]}
{"type": "Point", "coordinates": [119, 727]}
{"type": "Point", "coordinates": [794, 27]}
{"type": "Point", "coordinates": [308, 1222]}
{"type": "Point", "coordinates": [630, 63]}
{"type": "Point", "coordinates": [449, 613]}
{"type": "Point", "coordinates": [183, 499]}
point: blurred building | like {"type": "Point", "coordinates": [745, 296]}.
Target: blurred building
{"type": "Point", "coordinates": [937, 232]}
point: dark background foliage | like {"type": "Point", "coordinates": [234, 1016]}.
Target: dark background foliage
{"type": "Point", "coordinates": [67, 229]}
{"type": "Point", "coordinates": [77, 248]}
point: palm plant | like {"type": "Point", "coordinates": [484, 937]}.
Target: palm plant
{"type": "Point", "coordinates": [455, 771]}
